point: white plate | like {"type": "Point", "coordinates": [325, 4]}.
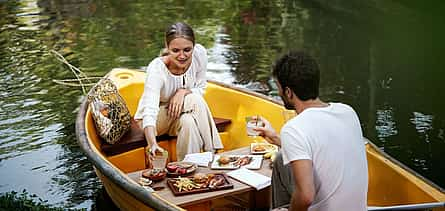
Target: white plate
{"type": "Point", "coordinates": [256, 162]}
{"type": "Point", "coordinates": [268, 148]}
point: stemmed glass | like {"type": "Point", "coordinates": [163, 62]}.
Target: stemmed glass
{"type": "Point", "coordinates": [251, 123]}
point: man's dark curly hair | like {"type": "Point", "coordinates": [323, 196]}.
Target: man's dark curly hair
{"type": "Point", "coordinates": [298, 71]}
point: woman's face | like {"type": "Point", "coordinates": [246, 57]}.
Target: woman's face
{"type": "Point", "coordinates": [180, 52]}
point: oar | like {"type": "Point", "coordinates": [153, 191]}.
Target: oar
{"type": "Point", "coordinates": [409, 206]}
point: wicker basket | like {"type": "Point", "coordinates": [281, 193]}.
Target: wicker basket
{"type": "Point", "coordinates": [110, 113]}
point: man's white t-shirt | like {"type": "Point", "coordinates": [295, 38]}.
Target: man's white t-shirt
{"type": "Point", "coordinates": [332, 138]}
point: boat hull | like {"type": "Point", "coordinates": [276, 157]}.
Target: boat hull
{"type": "Point", "coordinates": [390, 182]}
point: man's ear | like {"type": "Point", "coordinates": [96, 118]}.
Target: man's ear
{"type": "Point", "coordinates": [288, 92]}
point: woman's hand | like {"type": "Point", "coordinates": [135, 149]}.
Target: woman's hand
{"type": "Point", "coordinates": [150, 136]}
{"type": "Point", "coordinates": [267, 132]}
{"type": "Point", "coordinates": [155, 148]}
{"type": "Point", "coordinates": [176, 103]}
{"type": "Point", "coordinates": [152, 152]}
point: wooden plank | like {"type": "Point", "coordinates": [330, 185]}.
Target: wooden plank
{"type": "Point", "coordinates": [135, 138]}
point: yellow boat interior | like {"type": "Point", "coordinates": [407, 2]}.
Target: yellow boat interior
{"type": "Point", "coordinates": [390, 183]}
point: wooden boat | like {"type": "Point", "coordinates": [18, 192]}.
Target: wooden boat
{"type": "Point", "coordinates": [390, 182]}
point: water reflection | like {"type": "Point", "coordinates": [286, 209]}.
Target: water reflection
{"type": "Point", "coordinates": [385, 125]}
{"type": "Point", "coordinates": [381, 57]}
{"type": "Point", "coordinates": [423, 123]}
{"type": "Point", "coordinates": [254, 38]}
{"type": "Point", "coordinates": [217, 62]}
{"type": "Point", "coordinates": [38, 148]}
{"type": "Point", "coordinates": [29, 15]}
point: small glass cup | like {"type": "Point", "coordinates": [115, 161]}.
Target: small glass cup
{"type": "Point", "coordinates": [160, 160]}
{"type": "Point", "coordinates": [288, 115]}
{"type": "Point", "coordinates": [252, 123]}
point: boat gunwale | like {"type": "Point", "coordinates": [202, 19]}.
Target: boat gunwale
{"type": "Point", "coordinates": [403, 166]}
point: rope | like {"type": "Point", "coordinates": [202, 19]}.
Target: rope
{"type": "Point", "coordinates": [80, 76]}
{"type": "Point", "coordinates": [63, 82]}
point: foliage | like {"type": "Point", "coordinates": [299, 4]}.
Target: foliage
{"type": "Point", "coordinates": [24, 202]}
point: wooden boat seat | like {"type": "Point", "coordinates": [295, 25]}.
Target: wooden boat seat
{"type": "Point", "coordinates": [135, 138]}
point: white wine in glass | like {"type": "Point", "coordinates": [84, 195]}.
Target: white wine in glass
{"type": "Point", "coordinates": [251, 123]}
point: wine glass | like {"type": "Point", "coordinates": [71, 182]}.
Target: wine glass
{"type": "Point", "coordinates": [251, 123]}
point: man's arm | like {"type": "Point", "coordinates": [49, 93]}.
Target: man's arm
{"type": "Point", "coordinates": [304, 193]}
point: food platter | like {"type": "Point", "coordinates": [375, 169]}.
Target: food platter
{"type": "Point", "coordinates": [262, 148]}
{"type": "Point", "coordinates": [236, 161]}
{"type": "Point", "coordinates": [175, 169]}
{"type": "Point", "coordinates": [205, 183]}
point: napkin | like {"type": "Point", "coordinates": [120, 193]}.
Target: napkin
{"type": "Point", "coordinates": [201, 159]}
{"type": "Point", "coordinates": [249, 177]}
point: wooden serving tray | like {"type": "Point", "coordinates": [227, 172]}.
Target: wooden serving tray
{"type": "Point", "coordinates": [227, 185]}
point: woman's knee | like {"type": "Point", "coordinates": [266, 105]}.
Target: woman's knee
{"type": "Point", "coordinates": [194, 103]}
{"type": "Point", "coordinates": [193, 99]}
{"type": "Point", "coordinates": [186, 121]}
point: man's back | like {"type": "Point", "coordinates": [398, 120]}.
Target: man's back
{"type": "Point", "coordinates": [332, 138]}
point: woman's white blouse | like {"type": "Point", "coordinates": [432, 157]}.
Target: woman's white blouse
{"type": "Point", "coordinates": [160, 84]}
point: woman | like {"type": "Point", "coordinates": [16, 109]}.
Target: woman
{"type": "Point", "coordinates": [172, 101]}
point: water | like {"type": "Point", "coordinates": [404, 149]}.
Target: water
{"type": "Point", "coordinates": [382, 57]}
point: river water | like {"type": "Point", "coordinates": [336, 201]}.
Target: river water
{"type": "Point", "coordinates": [382, 57]}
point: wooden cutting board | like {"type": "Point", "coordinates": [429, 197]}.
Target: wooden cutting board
{"type": "Point", "coordinates": [227, 185]}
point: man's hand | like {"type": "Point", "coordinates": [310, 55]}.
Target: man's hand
{"type": "Point", "coordinates": [267, 132]}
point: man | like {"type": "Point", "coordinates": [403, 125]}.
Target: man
{"type": "Point", "coordinates": [322, 163]}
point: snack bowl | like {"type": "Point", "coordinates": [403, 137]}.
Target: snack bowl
{"type": "Point", "coordinates": [145, 182]}
{"type": "Point", "coordinates": [154, 174]}
{"type": "Point", "coordinates": [175, 169]}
